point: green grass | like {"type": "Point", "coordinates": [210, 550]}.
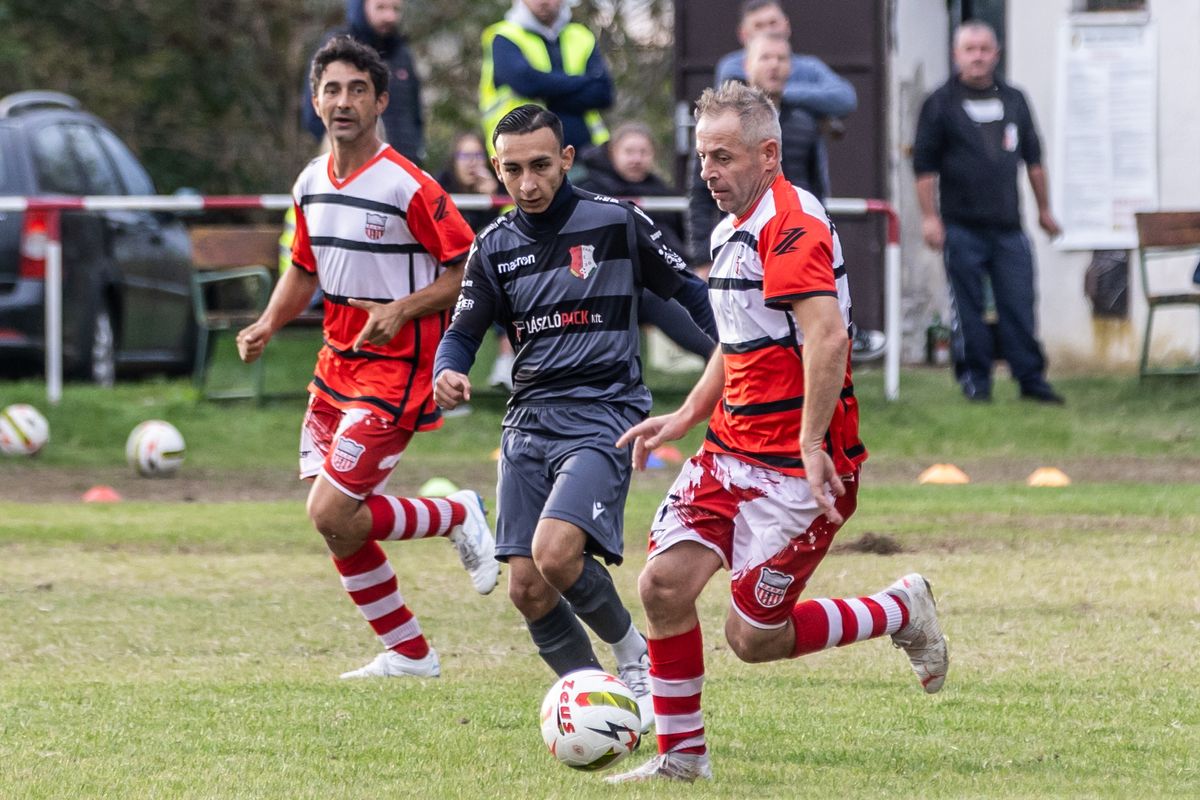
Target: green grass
{"type": "Point", "coordinates": [190, 650]}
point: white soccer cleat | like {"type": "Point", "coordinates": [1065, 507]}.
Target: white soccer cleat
{"type": "Point", "coordinates": [922, 637]}
{"type": "Point", "coordinates": [668, 767]}
{"type": "Point", "coordinates": [474, 542]}
{"type": "Point", "coordinates": [636, 676]}
{"type": "Point", "coordinates": [390, 664]}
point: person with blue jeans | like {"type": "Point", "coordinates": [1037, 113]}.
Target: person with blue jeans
{"type": "Point", "coordinates": [973, 133]}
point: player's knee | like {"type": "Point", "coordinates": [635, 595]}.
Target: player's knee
{"type": "Point", "coordinates": [558, 562]}
{"type": "Point", "coordinates": [328, 521]}
{"type": "Point", "coordinates": [746, 643]}
{"type": "Point", "coordinates": [662, 591]}
{"type": "Point", "coordinates": [527, 596]}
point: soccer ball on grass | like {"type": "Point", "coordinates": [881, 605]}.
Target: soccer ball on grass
{"type": "Point", "coordinates": [23, 430]}
{"type": "Point", "coordinates": [590, 720]}
{"type": "Point", "coordinates": [155, 449]}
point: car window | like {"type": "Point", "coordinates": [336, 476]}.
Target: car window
{"type": "Point", "coordinates": [135, 177]}
{"type": "Point", "coordinates": [99, 172]}
{"type": "Point", "coordinates": [57, 170]}
{"type": "Point", "coordinates": [5, 178]}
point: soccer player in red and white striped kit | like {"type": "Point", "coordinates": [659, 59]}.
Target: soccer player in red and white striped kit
{"type": "Point", "coordinates": [778, 472]}
{"type": "Point", "coordinates": [387, 246]}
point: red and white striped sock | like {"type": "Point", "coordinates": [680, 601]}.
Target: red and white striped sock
{"type": "Point", "coordinates": [368, 578]}
{"type": "Point", "coordinates": [413, 517]}
{"type": "Point", "coordinates": [676, 681]}
{"type": "Point", "coordinates": [825, 623]}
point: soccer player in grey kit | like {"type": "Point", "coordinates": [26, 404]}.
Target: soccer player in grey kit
{"type": "Point", "coordinates": [562, 273]}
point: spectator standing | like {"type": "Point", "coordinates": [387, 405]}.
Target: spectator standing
{"type": "Point", "coordinates": [972, 135]}
{"type": "Point", "coordinates": [377, 23]}
{"type": "Point", "coordinates": [811, 84]}
{"type": "Point", "coordinates": [778, 471]}
{"type": "Point", "coordinates": [536, 54]}
{"type": "Point", "coordinates": [386, 245]}
{"type": "Point", "coordinates": [562, 273]}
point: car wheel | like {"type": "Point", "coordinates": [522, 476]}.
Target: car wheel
{"type": "Point", "coordinates": [102, 357]}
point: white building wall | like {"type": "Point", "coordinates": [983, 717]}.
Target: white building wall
{"type": "Point", "coordinates": [918, 65]}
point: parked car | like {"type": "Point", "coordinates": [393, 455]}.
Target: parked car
{"type": "Point", "coordinates": [126, 274]}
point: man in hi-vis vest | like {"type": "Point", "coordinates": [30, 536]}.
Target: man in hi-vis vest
{"type": "Point", "coordinates": [536, 54]}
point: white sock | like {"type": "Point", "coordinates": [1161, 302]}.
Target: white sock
{"type": "Point", "coordinates": [630, 648]}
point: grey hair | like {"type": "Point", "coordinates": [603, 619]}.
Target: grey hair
{"type": "Point", "coordinates": [975, 25]}
{"type": "Point", "coordinates": [760, 120]}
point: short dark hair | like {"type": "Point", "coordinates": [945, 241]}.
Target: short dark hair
{"type": "Point", "coordinates": [527, 119]}
{"type": "Point", "coordinates": [360, 56]}
{"type": "Point", "coordinates": [750, 6]}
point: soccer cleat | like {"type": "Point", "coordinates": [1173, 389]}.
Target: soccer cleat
{"type": "Point", "coordinates": [474, 542]}
{"type": "Point", "coordinates": [668, 767]}
{"type": "Point", "coordinates": [390, 664]}
{"type": "Point", "coordinates": [637, 677]}
{"type": "Point", "coordinates": [922, 637]}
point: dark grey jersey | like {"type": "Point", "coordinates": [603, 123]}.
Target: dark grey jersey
{"type": "Point", "coordinates": [564, 285]}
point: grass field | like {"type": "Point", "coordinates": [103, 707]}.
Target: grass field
{"type": "Point", "coordinates": [190, 649]}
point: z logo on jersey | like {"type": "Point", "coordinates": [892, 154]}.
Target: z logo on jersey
{"type": "Point", "coordinates": [439, 210]}
{"type": "Point", "coordinates": [375, 225]}
{"type": "Point", "coordinates": [787, 241]}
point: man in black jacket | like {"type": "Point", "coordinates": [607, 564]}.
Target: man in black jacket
{"type": "Point", "coordinates": [377, 23]}
{"type": "Point", "coordinates": [972, 135]}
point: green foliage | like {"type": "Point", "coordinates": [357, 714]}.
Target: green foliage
{"type": "Point", "coordinates": [209, 93]}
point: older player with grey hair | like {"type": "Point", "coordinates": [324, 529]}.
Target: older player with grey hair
{"type": "Point", "coordinates": [777, 475]}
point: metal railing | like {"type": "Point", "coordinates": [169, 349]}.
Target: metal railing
{"type": "Point", "coordinates": [53, 206]}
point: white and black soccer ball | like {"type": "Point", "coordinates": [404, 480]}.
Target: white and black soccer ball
{"type": "Point", "coordinates": [155, 449]}
{"type": "Point", "coordinates": [590, 720]}
{"type": "Point", "coordinates": [23, 430]}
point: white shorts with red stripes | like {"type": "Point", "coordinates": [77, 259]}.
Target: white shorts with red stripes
{"type": "Point", "coordinates": [765, 526]}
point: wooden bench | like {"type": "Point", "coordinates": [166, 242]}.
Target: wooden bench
{"type": "Point", "coordinates": [235, 268]}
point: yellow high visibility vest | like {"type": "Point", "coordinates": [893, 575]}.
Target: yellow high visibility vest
{"type": "Point", "coordinates": [577, 44]}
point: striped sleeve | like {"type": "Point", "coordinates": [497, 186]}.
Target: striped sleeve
{"type": "Point", "coordinates": [302, 253]}
{"type": "Point", "coordinates": [438, 225]}
{"type": "Point", "coordinates": [797, 254]}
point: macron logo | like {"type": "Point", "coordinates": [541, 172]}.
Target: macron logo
{"type": "Point", "coordinates": [597, 510]}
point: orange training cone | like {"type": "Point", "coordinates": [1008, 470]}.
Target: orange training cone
{"type": "Point", "coordinates": [101, 494]}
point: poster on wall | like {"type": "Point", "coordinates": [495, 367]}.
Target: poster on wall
{"type": "Point", "coordinates": [1106, 147]}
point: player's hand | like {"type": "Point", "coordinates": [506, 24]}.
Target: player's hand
{"type": "Point", "coordinates": [383, 322]}
{"type": "Point", "coordinates": [252, 340]}
{"type": "Point", "coordinates": [450, 389]}
{"type": "Point", "coordinates": [933, 232]}
{"type": "Point", "coordinates": [649, 434]}
{"type": "Point", "coordinates": [824, 480]}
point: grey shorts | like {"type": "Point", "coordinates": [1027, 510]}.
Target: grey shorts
{"type": "Point", "coordinates": [560, 462]}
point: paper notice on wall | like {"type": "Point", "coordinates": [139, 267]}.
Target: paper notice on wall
{"type": "Point", "coordinates": [1106, 143]}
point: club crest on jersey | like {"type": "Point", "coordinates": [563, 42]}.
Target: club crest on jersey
{"type": "Point", "coordinates": [583, 261]}
{"type": "Point", "coordinates": [771, 588]}
{"type": "Point", "coordinates": [375, 225]}
{"type": "Point", "coordinates": [345, 456]}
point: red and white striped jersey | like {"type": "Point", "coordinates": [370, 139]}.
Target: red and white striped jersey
{"type": "Point", "coordinates": [380, 234]}
{"type": "Point", "coordinates": [784, 249]}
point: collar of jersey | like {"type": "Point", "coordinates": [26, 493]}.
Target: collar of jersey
{"type": "Point", "coordinates": [740, 221]}
{"type": "Point", "coordinates": [341, 184]}
{"type": "Point", "coordinates": [555, 215]}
